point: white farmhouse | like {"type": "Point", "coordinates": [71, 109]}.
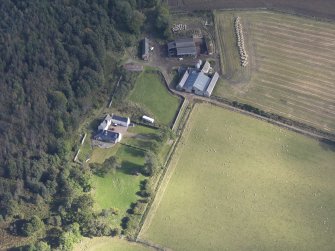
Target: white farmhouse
{"type": "Point", "coordinates": [123, 121]}
{"type": "Point", "coordinates": [105, 124]}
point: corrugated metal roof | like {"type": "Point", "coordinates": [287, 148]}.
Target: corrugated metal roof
{"type": "Point", "coordinates": [145, 46]}
{"type": "Point", "coordinates": [212, 84]}
{"type": "Point", "coordinates": [193, 75]}
{"type": "Point", "coordinates": [206, 67]}
{"type": "Point", "coordinates": [186, 51]}
{"type": "Point", "coordinates": [183, 80]}
{"type": "Point", "coordinates": [185, 42]}
{"type": "Point", "coordinates": [171, 45]}
{"type": "Point", "coordinates": [201, 82]}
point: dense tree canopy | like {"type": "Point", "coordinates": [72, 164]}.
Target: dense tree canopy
{"type": "Point", "coordinates": [52, 60]}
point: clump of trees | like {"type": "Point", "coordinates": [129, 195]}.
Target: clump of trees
{"type": "Point", "coordinates": [109, 165]}
{"type": "Point", "coordinates": [163, 21]}
{"type": "Point", "coordinates": [53, 73]}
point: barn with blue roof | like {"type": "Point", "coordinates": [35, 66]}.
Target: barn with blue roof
{"type": "Point", "coordinates": [197, 82]}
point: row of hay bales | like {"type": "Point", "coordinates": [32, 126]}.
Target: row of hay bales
{"type": "Point", "coordinates": [240, 42]}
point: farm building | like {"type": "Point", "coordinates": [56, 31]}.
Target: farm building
{"type": "Point", "coordinates": [123, 121]}
{"type": "Point", "coordinates": [212, 84]}
{"type": "Point", "coordinates": [206, 67]}
{"type": "Point", "coordinates": [145, 49]}
{"type": "Point", "coordinates": [182, 47]}
{"type": "Point", "coordinates": [108, 136]}
{"type": "Point", "coordinates": [106, 123]}
{"type": "Point", "coordinates": [197, 82]}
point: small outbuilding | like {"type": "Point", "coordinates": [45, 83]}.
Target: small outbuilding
{"type": "Point", "coordinates": [148, 119]}
{"type": "Point", "coordinates": [145, 49]}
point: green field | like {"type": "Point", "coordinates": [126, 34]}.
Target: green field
{"type": "Point", "coordinates": [237, 183]}
{"type": "Point", "coordinates": [118, 188]}
{"type": "Point", "coordinates": [150, 92]}
{"type": "Point", "coordinates": [291, 65]}
{"type": "Point", "coordinates": [108, 244]}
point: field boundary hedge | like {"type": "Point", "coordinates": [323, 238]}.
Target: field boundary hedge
{"type": "Point", "coordinates": [273, 9]}
{"type": "Point", "coordinates": [185, 116]}
{"type": "Point", "coordinates": [281, 120]}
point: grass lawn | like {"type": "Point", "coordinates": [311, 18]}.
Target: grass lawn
{"type": "Point", "coordinates": [237, 183]}
{"type": "Point", "coordinates": [108, 244]}
{"type": "Point", "coordinates": [150, 92]}
{"type": "Point", "coordinates": [118, 189]}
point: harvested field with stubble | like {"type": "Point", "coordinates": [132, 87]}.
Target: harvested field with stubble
{"type": "Point", "coordinates": [238, 183]}
{"type": "Point", "coordinates": [291, 70]}
{"type": "Point", "coordinates": [319, 8]}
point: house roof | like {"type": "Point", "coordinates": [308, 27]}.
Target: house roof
{"type": "Point", "coordinates": [119, 118]}
{"type": "Point", "coordinates": [107, 136]}
{"type": "Point", "coordinates": [201, 82]}
{"type": "Point", "coordinates": [212, 84]}
{"type": "Point", "coordinates": [108, 117]}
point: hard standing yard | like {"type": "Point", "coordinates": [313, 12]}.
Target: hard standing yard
{"type": "Point", "coordinates": [243, 184]}
{"type": "Point", "coordinates": [291, 70]}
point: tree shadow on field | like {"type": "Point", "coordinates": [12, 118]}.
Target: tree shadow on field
{"type": "Point", "coordinates": [130, 168]}
{"type": "Point", "coordinates": [327, 144]}
{"type": "Point", "coordinates": [134, 152]}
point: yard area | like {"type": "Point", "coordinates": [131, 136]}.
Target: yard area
{"type": "Point", "coordinates": [237, 183]}
{"type": "Point", "coordinates": [291, 65]}
{"type": "Point", "coordinates": [150, 92]}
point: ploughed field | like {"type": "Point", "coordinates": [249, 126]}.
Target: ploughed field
{"type": "Point", "coordinates": [320, 8]}
{"type": "Point", "coordinates": [291, 65]}
{"type": "Point", "coordinates": [238, 183]}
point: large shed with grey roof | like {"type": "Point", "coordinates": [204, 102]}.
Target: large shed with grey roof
{"type": "Point", "coordinates": [182, 47]}
{"type": "Point", "coordinates": [212, 84]}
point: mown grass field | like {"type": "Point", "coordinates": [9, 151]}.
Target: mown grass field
{"type": "Point", "coordinates": [238, 183]}
{"type": "Point", "coordinates": [118, 188]}
{"type": "Point", "coordinates": [150, 92]}
{"type": "Point", "coordinates": [108, 244]}
{"type": "Point", "coordinates": [291, 69]}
